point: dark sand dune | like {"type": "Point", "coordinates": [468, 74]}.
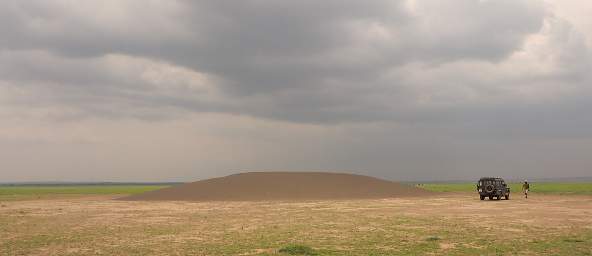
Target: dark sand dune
{"type": "Point", "coordinates": [256, 186]}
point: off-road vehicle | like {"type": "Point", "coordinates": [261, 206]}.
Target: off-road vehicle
{"type": "Point", "coordinates": [493, 187]}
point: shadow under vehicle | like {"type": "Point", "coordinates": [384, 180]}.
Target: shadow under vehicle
{"type": "Point", "coordinates": [493, 188]}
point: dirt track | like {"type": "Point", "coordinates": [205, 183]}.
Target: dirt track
{"type": "Point", "coordinates": [99, 225]}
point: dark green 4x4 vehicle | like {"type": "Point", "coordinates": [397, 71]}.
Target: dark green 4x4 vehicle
{"type": "Point", "coordinates": [493, 187]}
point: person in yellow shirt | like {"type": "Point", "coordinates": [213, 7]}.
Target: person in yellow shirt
{"type": "Point", "coordinates": [525, 188]}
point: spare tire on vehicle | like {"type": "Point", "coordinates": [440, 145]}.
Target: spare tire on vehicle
{"type": "Point", "coordinates": [489, 188]}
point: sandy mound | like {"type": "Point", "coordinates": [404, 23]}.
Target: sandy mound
{"type": "Point", "coordinates": [255, 186]}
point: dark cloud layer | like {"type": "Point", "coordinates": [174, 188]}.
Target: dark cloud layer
{"type": "Point", "coordinates": [487, 71]}
{"type": "Point", "coordinates": [309, 60]}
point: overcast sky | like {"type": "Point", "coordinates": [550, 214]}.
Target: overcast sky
{"type": "Point", "coordinates": [146, 90]}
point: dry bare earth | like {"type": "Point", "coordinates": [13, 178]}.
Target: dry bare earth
{"type": "Point", "coordinates": [254, 186]}
{"type": "Point", "coordinates": [458, 224]}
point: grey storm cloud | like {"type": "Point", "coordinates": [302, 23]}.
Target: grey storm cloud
{"type": "Point", "coordinates": [432, 79]}
{"type": "Point", "coordinates": [305, 61]}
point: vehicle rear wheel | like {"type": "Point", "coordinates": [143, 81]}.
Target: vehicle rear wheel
{"type": "Point", "coordinates": [482, 197]}
{"type": "Point", "coordinates": [507, 197]}
{"type": "Point", "coordinates": [490, 197]}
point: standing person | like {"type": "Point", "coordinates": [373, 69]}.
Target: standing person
{"type": "Point", "coordinates": [525, 188]}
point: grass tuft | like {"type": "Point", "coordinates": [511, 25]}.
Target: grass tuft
{"type": "Point", "coordinates": [573, 240]}
{"type": "Point", "coordinates": [432, 238]}
{"type": "Point", "coordinates": [298, 250]}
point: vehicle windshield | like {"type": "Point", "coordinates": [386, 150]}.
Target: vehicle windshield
{"type": "Point", "coordinates": [485, 182]}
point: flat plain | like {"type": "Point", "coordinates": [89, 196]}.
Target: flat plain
{"type": "Point", "coordinates": [455, 223]}
{"type": "Point", "coordinates": [566, 188]}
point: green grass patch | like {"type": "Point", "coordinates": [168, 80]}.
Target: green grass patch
{"type": "Point", "coordinates": [24, 192]}
{"type": "Point", "coordinates": [546, 187]}
{"type": "Point", "coordinates": [450, 187]}
{"type": "Point", "coordinates": [298, 250]}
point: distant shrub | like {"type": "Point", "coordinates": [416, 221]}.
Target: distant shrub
{"type": "Point", "coordinates": [298, 250]}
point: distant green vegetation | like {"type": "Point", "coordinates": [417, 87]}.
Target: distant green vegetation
{"type": "Point", "coordinates": [29, 191]}
{"type": "Point", "coordinates": [545, 187]}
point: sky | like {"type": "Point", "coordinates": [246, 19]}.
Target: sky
{"type": "Point", "coordinates": [148, 90]}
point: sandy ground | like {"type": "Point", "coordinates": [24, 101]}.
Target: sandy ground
{"type": "Point", "coordinates": [457, 223]}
